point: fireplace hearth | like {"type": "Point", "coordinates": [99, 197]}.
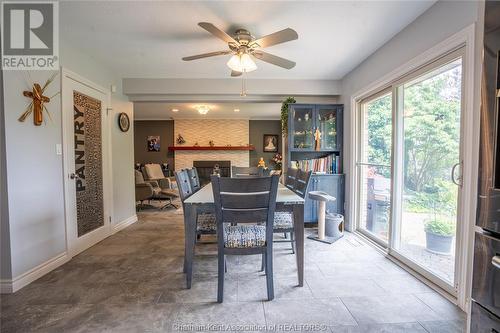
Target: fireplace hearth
{"type": "Point", "coordinates": [205, 169]}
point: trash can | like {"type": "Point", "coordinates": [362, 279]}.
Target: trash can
{"type": "Point", "coordinates": [332, 223]}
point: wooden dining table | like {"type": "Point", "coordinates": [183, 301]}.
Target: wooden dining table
{"type": "Point", "coordinates": [203, 201]}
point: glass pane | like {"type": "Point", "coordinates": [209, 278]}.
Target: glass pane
{"type": "Point", "coordinates": [378, 129]}
{"type": "Point", "coordinates": [303, 135]}
{"type": "Point", "coordinates": [431, 149]}
{"type": "Point", "coordinates": [375, 170]}
{"type": "Point", "coordinates": [88, 163]}
{"type": "Point", "coordinates": [375, 203]}
{"type": "Point", "coordinates": [327, 125]}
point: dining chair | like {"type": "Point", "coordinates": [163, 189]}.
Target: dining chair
{"type": "Point", "coordinates": [244, 210]}
{"type": "Point", "coordinates": [205, 221]}
{"type": "Point", "coordinates": [290, 177]}
{"type": "Point", "coordinates": [194, 179]}
{"type": "Point", "coordinates": [283, 220]}
{"type": "Point", "coordinates": [246, 172]}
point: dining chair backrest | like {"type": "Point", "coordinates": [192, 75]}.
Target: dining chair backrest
{"type": "Point", "coordinates": [194, 179]}
{"type": "Point", "coordinates": [290, 178]}
{"type": "Point", "coordinates": [246, 172]}
{"type": "Point", "coordinates": [302, 182]}
{"type": "Point", "coordinates": [183, 184]}
{"type": "Point", "coordinates": [245, 200]}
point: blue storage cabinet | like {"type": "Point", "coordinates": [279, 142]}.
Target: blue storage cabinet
{"type": "Point", "coordinates": [303, 119]}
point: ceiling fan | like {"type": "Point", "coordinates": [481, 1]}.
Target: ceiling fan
{"type": "Point", "coordinates": [243, 46]}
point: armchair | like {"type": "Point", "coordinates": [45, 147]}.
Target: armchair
{"type": "Point", "coordinates": [154, 172]}
{"type": "Point", "coordinates": [151, 190]}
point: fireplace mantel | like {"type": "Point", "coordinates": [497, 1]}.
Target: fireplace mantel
{"type": "Point", "coordinates": [174, 148]}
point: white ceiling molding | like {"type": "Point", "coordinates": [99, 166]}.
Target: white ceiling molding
{"type": "Point", "coordinates": [221, 90]}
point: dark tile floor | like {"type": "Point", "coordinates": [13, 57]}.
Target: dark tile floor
{"type": "Point", "coordinates": [133, 282]}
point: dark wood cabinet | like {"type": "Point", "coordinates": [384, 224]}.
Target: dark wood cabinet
{"type": "Point", "coordinates": [303, 120]}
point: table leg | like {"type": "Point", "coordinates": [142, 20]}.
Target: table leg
{"type": "Point", "coordinates": [298, 224]}
{"type": "Point", "coordinates": [189, 241]}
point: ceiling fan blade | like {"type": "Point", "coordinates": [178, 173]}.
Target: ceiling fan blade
{"type": "Point", "coordinates": [278, 37]}
{"type": "Point", "coordinates": [272, 59]}
{"type": "Point", "coordinates": [217, 32]}
{"type": "Point", "coordinates": [206, 55]}
{"type": "Point", "coordinates": [235, 73]}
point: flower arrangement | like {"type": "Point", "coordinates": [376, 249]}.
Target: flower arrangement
{"type": "Point", "coordinates": [277, 159]}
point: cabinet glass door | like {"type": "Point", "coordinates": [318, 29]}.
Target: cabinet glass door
{"type": "Point", "coordinates": [327, 125]}
{"type": "Point", "coordinates": [302, 127]}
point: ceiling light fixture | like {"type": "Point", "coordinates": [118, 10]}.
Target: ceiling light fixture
{"type": "Point", "coordinates": [175, 110]}
{"type": "Point", "coordinates": [202, 109]}
{"type": "Point", "coordinates": [236, 110]}
{"type": "Point", "coordinates": [242, 63]}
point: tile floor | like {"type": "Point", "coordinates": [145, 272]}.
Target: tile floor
{"type": "Point", "coordinates": [133, 282]}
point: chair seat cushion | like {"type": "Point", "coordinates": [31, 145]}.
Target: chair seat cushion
{"type": "Point", "coordinates": [206, 222]}
{"type": "Point", "coordinates": [244, 236]}
{"type": "Point", "coordinates": [283, 220]}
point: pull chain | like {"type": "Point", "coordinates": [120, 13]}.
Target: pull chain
{"type": "Point", "coordinates": [243, 92]}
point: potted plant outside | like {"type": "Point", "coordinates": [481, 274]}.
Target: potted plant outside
{"type": "Point", "coordinates": [439, 235]}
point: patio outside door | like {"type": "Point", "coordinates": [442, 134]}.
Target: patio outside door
{"type": "Point", "coordinates": [86, 165]}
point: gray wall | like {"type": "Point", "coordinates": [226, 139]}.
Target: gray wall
{"type": "Point", "coordinates": [36, 215]}
{"type": "Point", "coordinates": [145, 128]}
{"type": "Point", "coordinates": [5, 264]}
{"type": "Point", "coordinates": [257, 130]}
{"type": "Point", "coordinates": [439, 22]}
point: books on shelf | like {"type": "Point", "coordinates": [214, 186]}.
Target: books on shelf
{"type": "Point", "coordinates": [323, 165]}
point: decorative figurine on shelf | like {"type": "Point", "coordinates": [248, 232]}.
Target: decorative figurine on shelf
{"type": "Point", "coordinates": [180, 139]}
{"type": "Point", "coordinates": [306, 117]}
{"type": "Point", "coordinates": [317, 139]}
{"type": "Point", "coordinates": [211, 143]}
{"type": "Point", "coordinates": [261, 163]}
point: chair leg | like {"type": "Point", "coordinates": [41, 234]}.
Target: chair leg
{"type": "Point", "coordinates": [269, 274]}
{"type": "Point", "coordinates": [293, 242]}
{"type": "Point", "coordinates": [263, 263]}
{"type": "Point", "coordinates": [220, 278]}
{"type": "Point", "coordinates": [225, 265]}
{"type": "Point", "coordinates": [284, 235]}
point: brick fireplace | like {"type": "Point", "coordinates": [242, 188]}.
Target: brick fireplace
{"type": "Point", "coordinates": [222, 132]}
{"type": "Point", "coordinates": [205, 169]}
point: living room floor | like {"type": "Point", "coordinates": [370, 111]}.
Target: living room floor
{"type": "Point", "coordinates": [133, 282]}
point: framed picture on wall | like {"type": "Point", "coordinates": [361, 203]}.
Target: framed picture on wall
{"type": "Point", "coordinates": [154, 143]}
{"type": "Point", "coordinates": [270, 143]}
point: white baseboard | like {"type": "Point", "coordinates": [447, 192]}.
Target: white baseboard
{"type": "Point", "coordinates": [11, 286]}
{"type": "Point", "coordinates": [125, 223]}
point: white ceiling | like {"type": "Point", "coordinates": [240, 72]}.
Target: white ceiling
{"type": "Point", "coordinates": [148, 39]}
{"type": "Point", "coordinates": [162, 110]}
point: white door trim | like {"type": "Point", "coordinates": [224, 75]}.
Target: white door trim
{"type": "Point", "coordinates": [73, 249]}
{"type": "Point", "coordinates": [466, 38]}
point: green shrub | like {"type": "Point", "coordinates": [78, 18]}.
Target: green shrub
{"type": "Point", "coordinates": [440, 227]}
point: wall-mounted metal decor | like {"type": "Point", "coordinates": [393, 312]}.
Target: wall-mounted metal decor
{"type": "Point", "coordinates": [88, 163]}
{"type": "Point", "coordinates": [123, 122]}
{"type": "Point", "coordinates": [38, 100]}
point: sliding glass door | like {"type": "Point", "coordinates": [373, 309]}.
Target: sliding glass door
{"type": "Point", "coordinates": [374, 167]}
{"type": "Point", "coordinates": [426, 229]}
{"type": "Point", "coordinates": [409, 201]}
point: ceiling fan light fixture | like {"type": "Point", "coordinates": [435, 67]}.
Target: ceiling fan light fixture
{"type": "Point", "coordinates": [202, 109]}
{"type": "Point", "coordinates": [242, 63]}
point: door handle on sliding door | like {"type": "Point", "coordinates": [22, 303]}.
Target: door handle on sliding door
{"type": "Point", "coordinates": [456, 180]}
